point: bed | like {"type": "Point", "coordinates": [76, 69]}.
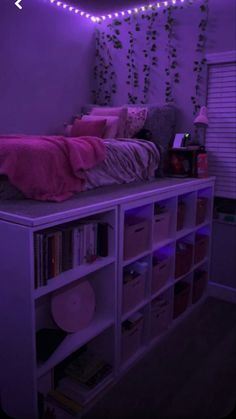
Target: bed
{"type": "Point", "coordinates": [57, 167]}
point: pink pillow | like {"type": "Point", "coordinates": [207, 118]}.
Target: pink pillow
{"type": "Point", "coordinates": [112, 124]}
{"type": "Point", "coordinates": [82, 128]}
{"type": "Point", "coordinates": [121, 112]}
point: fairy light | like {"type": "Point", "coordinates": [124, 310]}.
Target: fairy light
{"type": "Point", "coordinates": [101, 18]}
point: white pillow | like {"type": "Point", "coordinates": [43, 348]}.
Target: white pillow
{"type": "Point", "coordinates": [135, 120]}
{"type": "Point", "coordinates": [121, 112]}
{"type": "Point", "coordinates": [112, 124]}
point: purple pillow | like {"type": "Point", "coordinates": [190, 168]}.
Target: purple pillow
{"type": "Point", "coordinates": [81, 128]}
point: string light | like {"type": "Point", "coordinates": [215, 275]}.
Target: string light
{"type": "Point", "coordinates": [122, 13]}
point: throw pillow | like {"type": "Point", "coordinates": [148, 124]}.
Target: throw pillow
{"type": "Point", "coordinates": [121, 112]}
{"type": "Point", "coordinates": [135, 121]}
{"type": "Point", "coordinates": [82, 128]}
{"type": "Point", "coordinates": [112, 124]}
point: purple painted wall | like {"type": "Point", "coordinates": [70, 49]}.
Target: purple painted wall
{"type": "Point", "coordinates": [221, 37]}
{"type": "Point", "coordinates": [46, 55]}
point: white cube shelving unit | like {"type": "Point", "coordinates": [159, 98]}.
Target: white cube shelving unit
{"type": "Point", "coordinates": [24, 310]}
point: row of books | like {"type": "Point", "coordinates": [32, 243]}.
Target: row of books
{"type": "Point", "coordinates": [84, 379]}
{"type": "Point", "coordinates": [65, 247]}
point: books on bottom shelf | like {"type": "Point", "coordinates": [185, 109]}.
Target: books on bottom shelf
{"type": "Point", "coordinates": [85, 377]}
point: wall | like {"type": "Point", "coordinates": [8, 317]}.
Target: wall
{"type": "Point", "coordinates": [45, 59]}
{"type": "Point", "coordinates": [221, 37]}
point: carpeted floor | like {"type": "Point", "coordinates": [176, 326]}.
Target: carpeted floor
{"type": "Point", "coordinates": [191, 374]}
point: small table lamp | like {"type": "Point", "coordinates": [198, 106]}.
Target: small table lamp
{"type": "Point", "coordinates": [201, 123]}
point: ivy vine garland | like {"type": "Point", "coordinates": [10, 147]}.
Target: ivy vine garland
{"type": "Point", "coordinates": [139, 83]}
{"type": "Point", "coordinates": [104, 73]}
{"type": "Point", "coordinates": [172, 74]}
{"type": "Point", "coordinates": [200, 61]}
{"type": "Point", "coordinates": [149, 53]}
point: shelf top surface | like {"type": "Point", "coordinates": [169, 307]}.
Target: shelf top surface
{"type": "Point", "coordinates": [35, 213]}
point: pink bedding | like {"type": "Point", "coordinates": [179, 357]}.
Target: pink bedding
{"type": "Point", "coordinates": [49, 168]}
{"type": "Point", "coordinates": [55, 168]}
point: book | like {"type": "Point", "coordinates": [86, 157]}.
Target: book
{"type": "Point", "coordinates": [78, 393]}
{"type": "Point", "coordinates": [88, 369]}
{"type": "Point", "coordinates": [65, 402]}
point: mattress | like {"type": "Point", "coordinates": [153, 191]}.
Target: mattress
{"type": "Point", "coordinates": [126, 161]}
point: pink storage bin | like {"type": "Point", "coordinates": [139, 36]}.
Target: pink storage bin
{"type": "Point", "coordinates": [183, 258]}
{"type": "Point", "coordinates": [133, 290]}
{"type": "Point", "coordinates": [161, 226]}
{"type": "Point", "coordinates": [160, 315]}
{"type": "Point", "coordinates": [160, 272]}
{"type": "Point", "coordinates": [181, 215]}
{"type": "Point", "coordinates": [201, 247]}
{"type": "Point", "coordinates": [131, 336]}
{"type": "Point", "coordinates": [136, 236]}
{"type": "Point", "coordinates": [201, 213]}
{"type": "Point", "coordinates": [181, 298]}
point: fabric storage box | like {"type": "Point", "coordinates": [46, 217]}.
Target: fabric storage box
{"type": "Point", "coordinates": [136, 236]}
{"type": "Point", "coordinates": [131, 335]}
{"type": "Point", "coordinates": [133, 289]}
{"type": "Point", "coordinates": [160, 315]}
{"type": "Point", "coordinates": [199, 285]}
{"type": "Point", "coordinates": [183, 258]}
{"type": "Point", "coordinates": [201, 246]}
{"type": "Point", "coordinates": [161, 225]}
{"type": "Point", "coordinates": [181, 298]}
{"type": "Point", "coordinates": [160, 272]}
{"type": "Point", "coordinates": [201, 212]}
{"type": "Point", "coordinates": [180, 215]}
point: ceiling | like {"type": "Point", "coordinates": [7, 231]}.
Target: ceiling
{"type": "Point", "coordinates": [106, 6]}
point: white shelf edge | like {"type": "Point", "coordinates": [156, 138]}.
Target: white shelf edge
{"type": "Point", "coordinates": [67, 277]}
{"type": "Point", "coordinates": [140, 256]}
{"type": "Point", "coordinates": [73, 342]}
{"type": "Point", "coordinates": [170, 283]}
{"type": "Point", "coordinates": [163, 243]}
{"type": "Point", "coordinates": [133, 358]}
{"type": "Point", "coordinates": [129, 313]}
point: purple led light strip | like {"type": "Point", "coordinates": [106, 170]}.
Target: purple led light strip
{"type": "Point", "coordinates": [97, 19]}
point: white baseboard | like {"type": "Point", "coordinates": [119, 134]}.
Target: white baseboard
{"type": "Point", "coordinates": [222, 292]}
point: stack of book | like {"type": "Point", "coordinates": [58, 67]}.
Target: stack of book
{"type": "Point", "coordinates": [84, 379]}
{"type": "Point", "coordinates": [59, 249]}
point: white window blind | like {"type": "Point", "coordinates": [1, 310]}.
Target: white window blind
{"type": "Point", "coordinates": [221, 132]}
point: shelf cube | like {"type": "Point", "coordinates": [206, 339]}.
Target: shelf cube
{"type": "Point", "coordinates": [183, 259]}
{"type": "Point", "coordinates": [131, 335]}
{"type": "Point", "coordinates": [136, 236]}
{"type": "Point", "coordinates": [160, 272]}
{"type": "Point", "coordinates": [181, 298]}
{"type": "Point", "coordinates": [160, 315]}
{"type": "Point", "coordinates": [133, 290]}
{"type": "Point", "coordinates": [201, 212]}
{"type": "Point", "coordinates": [161, 226]}
{"type": "Point", "coordinates": [180, 215]}
{"type": "Point", "coordinates": [201, 246]}
{"type": "Point", "coordinates": [199, 285]}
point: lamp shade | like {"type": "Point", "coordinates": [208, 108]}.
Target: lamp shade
{"type": "Point", "coordinates": [201, 119]}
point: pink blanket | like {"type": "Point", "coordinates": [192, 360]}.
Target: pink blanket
{"type": "Point", "coordinates": [49, 168]}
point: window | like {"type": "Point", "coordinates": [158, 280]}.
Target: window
{"type": "Point", "coordinates": [221, 132]}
